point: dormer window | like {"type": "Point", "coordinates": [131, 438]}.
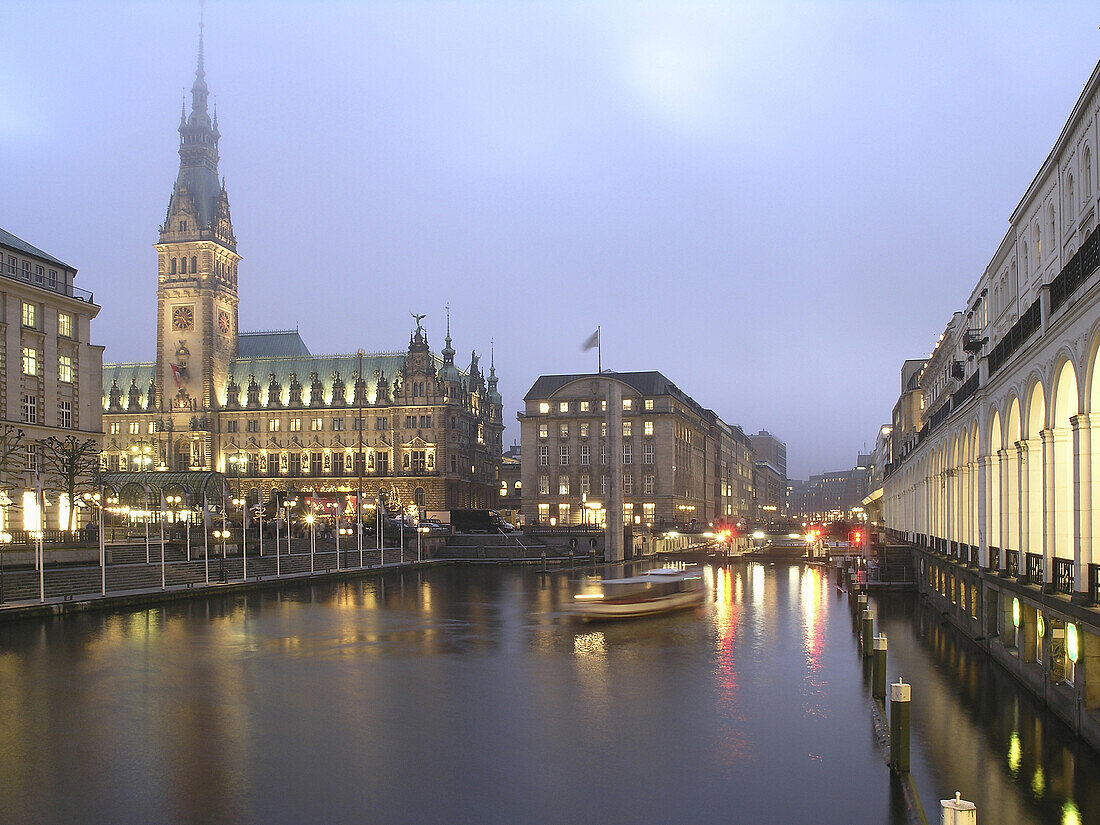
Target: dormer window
{"type": "Point", "coordinates": [183, 226]}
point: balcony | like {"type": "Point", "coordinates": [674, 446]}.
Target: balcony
{"type": "Point", "coordinates": [973, 341]}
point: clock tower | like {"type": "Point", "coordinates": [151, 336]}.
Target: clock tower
{"type": "Point", "coordinates": [196, 273]}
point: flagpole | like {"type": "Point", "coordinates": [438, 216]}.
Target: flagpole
{"type": "Point", "coordinates": [146, 522]}
{"type": "Point", "coordinates": [599, 350]}
{"type": "Point", "coordinates": [161, 519]}
{"type": "Point", "coordinates": [102, 551]}
{"type": "Point", "coordinates": [244, 534]}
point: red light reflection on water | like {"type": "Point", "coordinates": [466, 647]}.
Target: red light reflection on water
{"type": "Point", "coordinates": [736, 745]}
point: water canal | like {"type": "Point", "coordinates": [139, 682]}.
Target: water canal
{"type": "Point", "coordinates": [461, 695]}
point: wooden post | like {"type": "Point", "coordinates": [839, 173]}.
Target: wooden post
{"type": "Point", "coordinates": [958, 811]}
{"type": "Point", "coordinates": [900, 695]}
{"type": "Point", "coordinates": [868, 619]}
{"type": "Point", "coordinates": [878, 668]}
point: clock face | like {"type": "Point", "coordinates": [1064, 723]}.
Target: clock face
{"type": "Point", "coordinates": [183, 318]}
{"type": "Point", "coordinates": [223, 322]}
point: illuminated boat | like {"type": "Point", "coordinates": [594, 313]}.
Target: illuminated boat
{"type": "Point", "coordinates": [653, 592]}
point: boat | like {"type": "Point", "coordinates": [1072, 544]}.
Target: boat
{"type": "Point", "coordinates": [648, 594]}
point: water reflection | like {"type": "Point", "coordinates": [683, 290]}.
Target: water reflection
{"type": "Point", "coordinates": [459, 694]}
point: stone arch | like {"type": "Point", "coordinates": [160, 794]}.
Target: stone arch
{"type": "Point", "coordinates": [1034, 423]}
{"type": "Point", "coordinates": [1013, 434]}
{"type": "Point", "coordinates": [1064, 406]}
{"type": "Point", "coordinates": [994, 503]}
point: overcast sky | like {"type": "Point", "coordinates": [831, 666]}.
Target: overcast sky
{"type": "Point", "coordinates": [773, 204]}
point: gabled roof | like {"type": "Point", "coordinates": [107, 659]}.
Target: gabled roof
{"type": "Point", "coordinates": [284, 343]}
{"type": "Point", "coordinates": [9, 240]}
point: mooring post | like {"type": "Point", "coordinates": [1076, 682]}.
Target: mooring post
{"type": "Point", "coordinates": [543, 561]}
{"type": "Point", "coordinates": [900, 694]}
{"type": "Point", "coordinates": [868, 619]}
{"type": "Point", "coordinates": [958, 811]}
{"type": "Point", "coordinates": [878, 668]}
{"type": "Point", "coordinates": [861, 602]}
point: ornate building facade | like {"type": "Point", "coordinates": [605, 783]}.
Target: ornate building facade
{"type": "Point", "coordinates": [409, 426]}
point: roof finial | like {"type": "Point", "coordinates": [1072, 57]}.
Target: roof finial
{"type": "Point", "coordinates": [492, 354]}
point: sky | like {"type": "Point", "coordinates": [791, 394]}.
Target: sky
{"type": "Point", "coordinates": [774, 204]}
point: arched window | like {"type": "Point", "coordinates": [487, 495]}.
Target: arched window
{"type": "Point", "coordinates": [1053, 231]}
{"type": "Point", "coordinates": [1088, 172]}
{"type": "Point", "coordinates": [1038, 247]}
{"type": "Point", "coordinates": [195, 261]}
{"type": "Point", "coordinates": [173, 266]}
{"type": "Point", "coordinates": [421, 498]}
{"type": "Point", "coordinates": [1023, 258]}
{"type": "Point", "coordinates": [1071, 204]}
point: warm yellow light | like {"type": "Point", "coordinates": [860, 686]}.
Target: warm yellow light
{"type": "Point", "coordinates": [1015, 612]}
{"type": "Point", "coordinates": [1071, 642]}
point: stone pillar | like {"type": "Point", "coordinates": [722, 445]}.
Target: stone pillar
{"type": "Point", "coordinates": [949, 508]}
{"type": "Point", "coordinates": [1082, 503]}
{"type": "Point", "coordinates": [613, 538]}
{"type": "Point", "coordinates": [1050, 523]}
{"type": "Point", "coordinates": [1002, 468]}
{"type": "Point", "coordinates": [1022, 495]}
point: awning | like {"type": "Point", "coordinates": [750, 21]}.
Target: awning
{"type": "Point", "coordinates": [875, 496]}
{"type": "Point", "coordinates": [195, 482]}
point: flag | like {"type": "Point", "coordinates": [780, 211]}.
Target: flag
{"type": "Point", "coordinates": [592, 341]}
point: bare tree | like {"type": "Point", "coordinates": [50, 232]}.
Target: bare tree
{"type": "Point", "coordinates": [71, 466]}
{"type": "Point", "coordinates": [12, 452]}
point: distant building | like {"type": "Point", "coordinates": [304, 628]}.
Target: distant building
{"type": "Point", "coordinates": [681, 463]}
{"type": "Point", "coordinates": [51, 373]}
{"type": "Point", "coordinates": [831, 496]}
{"type": "Point", "coordinates": [510, 495]}
{"type": "Point", "coordinates": [771, 491]}
{"type": "Point", "coordinates": [770, 450]}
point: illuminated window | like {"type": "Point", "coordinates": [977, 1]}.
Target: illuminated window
{"type": "Point", "coordinates": [273, 425]}
{"type": "Point", "coordinates": [115, 428]}
{"type": "Point", "coordinates": [544, 430]}
{"type": "Point", "coordinates": [295, 425]}
{"type": "Point", "coordinates": [563, 513]}
{"type": "Point", "coordinates": [317, 424]}
{"type": "Point", "coordinates": [649, 508]}
{"type": "Point", "coordinates": [603, 429]}
{"type": "Point", "coordinates": [649, 403]}
{"type": "Point", "coordinates": [563, 406]}
{"type": "Point", "coordinates": [647, 428]}
{"type": "Point", "coordinates": [65, 369]}
{"type": "Point", "coordinates": [563, 431]}
{"type": "Point", "coordinates": [627, 429]}
{"type": "Point", "coordinates": [30, 361]}
{"type": "Point", "coordinates": [563, 485]}
{"type": "Point", "coordinates": [30, 315]}
{"type": "Point", "coordinates": [135, 428]}
{"type": "Point", "coordinates": [544, 407]}
{"type": "Point", "coordinates": [584, 429]}
{"type": "Point", "coordinates": [585, 406]}
{"type": "Point", "coordinates": [586, 484]}
{"type": "Point", "coordinates": [544, 512]}
{"type": "Point", "coordinates": [648, 483]}
{"type": "Point", "coordinates": [628, 403]}
{"type": "Point", "coordinates": [544, 485]}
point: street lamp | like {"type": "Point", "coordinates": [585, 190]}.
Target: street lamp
{"type": "Point", "coordinates": [312, 538]}
{"type": "Point", "coordinates": [142, 459]}
{"type": "Point", "coordinates": [239, 504]}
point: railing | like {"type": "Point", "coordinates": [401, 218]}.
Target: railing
{"type": "Point", "coordinates": [1034, 572]}
{"type": "Point", "coordinates": [973, 340]}
{"type": "Point", "coordinates": [1094, 583]}
{"type": "Point", "coordinates": [975, 559]}
{"type": "Point", "coordinates": [1076, 272]}
{"type": "Point", "coordinates": [1023, 329]}
{"type": "Point", "coordinates": [994, 558]}
{"type": "Point", "coordinates": [1012, 563]}
{"type": "Point", "coordinates": [61, 288]}
{"type": "Point", "coordinates": [939, 416]}
{"type": "Point", "coordinates": [964, 392]}
{"type": "Point", "coordinates": [29, 537]}
{"type": "Point", "coordinates": [1063, 575]}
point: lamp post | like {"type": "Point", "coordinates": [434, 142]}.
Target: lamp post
{"type": "Point", "coordinates": [97, 500]}
{"type": "Point", "coordinates": [173, 503]}
{"type": "Point", "coordinates": [239, 503]}
{"type": "Point", "coordinates": [359, 458]}
{"type": "Point", "coordinates": [312, 539]}
{"type": "Point", "coordinates": [142, 458]}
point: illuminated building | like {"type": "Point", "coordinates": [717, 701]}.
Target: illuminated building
{"type": "Point", "coordinates": [259, 407]}
{"type": "Point", "coordinates": [681, 463]}
{"type": "Point", "coordinates": [51, 373]}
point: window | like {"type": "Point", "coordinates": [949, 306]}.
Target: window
{"type": "Point", "coordinates": [603, 406]}
{"type": "Point", "coordinates": [603, 429]}
{"type": "Point", "coordinates": [648, 483]}
{"type": "Point", "coordinates": [586, 406]}
{"type": "Point", "coordinates": [544, 407]}
{"type": "Point", "coordinates": [194, 264]}
{"type": "Point", "coordinates": [1071, 204]}
{"type": "Point", "coordinates": [381, 423]}
{"type": "Point", "coordinates": [1038, 247]}
{"type": "Point", "coordinates": [544, 485]}
{"type": "Point", "coordinates": [649, 404]}
{"type": "Point", "coordinates": [1086, 186]}
{"type": "Point", "coordinates": [26, 270]}
{"type": "Point", "coordinates": [563, 513]}
{"type": "Point", "coordinates": [1053, 230]}
{"type": "Point", "coordinates": [410, 422]}
{"type": "Point", "coordinates": [316, 424]}
{"type": "Point", "coordinates": [135, 428]}
{"type": "Point", "coordinates": [11, 265]}
{"type": "Point", "coordinates": [30, 315]}
{"type": "Point", "coordinates": [34, 458]}
{"type": "Point", "coordinates": [563, 431]}
{"type": "Point", "coordinates": [273, 425]}
{"type": "Point", "coordinates": [628, 403]}
{"type": "Point", "coordinates": [425, 422]}
{"type": "Point", "coordinates": [30, 409]}
{"type": "Point", "coordinates": [563, 485]}
{"type": "Point", "coordinates": [544, 430]}
{"type": "Point", "coordinates": [173, 266]}
{"type": "Point", "coordinates": [115, 428]}
{"type": "Point", "coordinates": [337, 424]}
{"type": "Point", "coordinates": [649, 509]}
{"type": "Point", "coordinates": [30, 361]}
{"type": "Point", "coordinates": [544, 455]}
{"type": "Point", "coordinates": [232, 426]}
{"type": "Point", "coordinates": [627, 429]}
{"type": "Point", "coordinates": [544, 512]}
{"type": "Point", "coordinates": [628, 454]}
{"type": "Point", "coordinates": [585, 455]}
{"type": "Point", "coordinates": [65, 369]}
{"type": "Point", "coordinates": [419, 461]}
{"type": "Point", "coordinates": [603, 485]}
{"type": "Point", "coordinates": [628, 484]}
{"type": "Point", "coordinates": [603, 454]}
{"type": "Point", "coordinates": [361, 424]}
{"type": "Point", "coordinates": [39, 273]}
{"type": "Point", "coordinates": [647, 428]}
{"type": "Point", "coordinates": [51, 279]}
{"type": "Point", "coordinates": [253, 425]}
{"type": "Point", "coordinates": [584, 429]}
{"type": "Point", "coordinates": [65, 415]}
{"type": "Point", "coordinates": [563, 454]}
{"type": "Point", "coordinates": [295, 425]}
{"type": "Point", "coordinates": [586, 484]}
{"type": "Point", "coordinates": [563, 406]}
{"type": "Point", "coordinates": [647, 453]}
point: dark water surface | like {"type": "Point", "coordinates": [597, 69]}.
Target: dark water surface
{"type": "Point", "coordinates": [456, 695]}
